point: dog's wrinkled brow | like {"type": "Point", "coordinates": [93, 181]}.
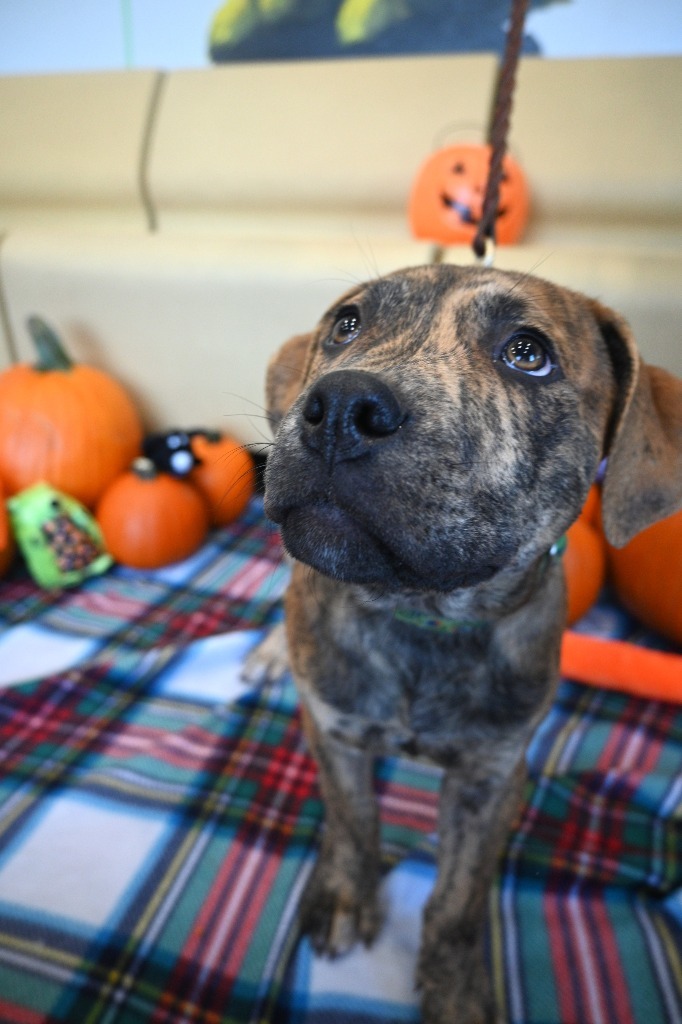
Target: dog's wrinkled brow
{"type": "Point", "coordinates": [489, 312]}
{"type": "Point", "coordinates": [408, 304]}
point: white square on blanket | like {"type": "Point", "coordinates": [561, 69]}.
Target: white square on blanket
{"type": "Point", "coordinates": [209, 670]}
{"type": "Point", "coordinates": [79, 858]}
{"type": "Point", "coordinates": [30, 651]}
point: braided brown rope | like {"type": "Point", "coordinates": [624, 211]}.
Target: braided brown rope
{"type": "Point", "coordinates": [499, 128]}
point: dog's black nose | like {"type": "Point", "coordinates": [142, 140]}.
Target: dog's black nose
{"type": "Point", "coordinates": [347, 412]}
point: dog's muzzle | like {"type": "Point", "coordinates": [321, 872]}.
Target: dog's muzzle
{"type": "Point", "coordinates": [332, 484]}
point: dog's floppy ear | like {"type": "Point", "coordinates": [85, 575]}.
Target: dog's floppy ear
{"type": "Point", "coordinates": [643, 481]}
{"type": "Point", "coordinates": [285, 375]}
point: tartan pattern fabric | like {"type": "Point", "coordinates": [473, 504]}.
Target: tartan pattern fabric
{"type": "Point", "coordinates": [588, 907]}
{"type": "Point", "coordinates": [158, 820]}
{"type": "Point", "coordinates": [192, 941]}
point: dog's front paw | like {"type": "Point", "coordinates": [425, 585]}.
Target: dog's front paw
{"type": "Point", "coordinates": [454, 985]}
{"type": "Point", "coordinates": [446, 1002]}
{"type": "Point", "coordinates": [337, 910]}
{"type": "Point", "coordinates": [439, 1007]}
{"type": "Point", "coordinates": [268, 660]}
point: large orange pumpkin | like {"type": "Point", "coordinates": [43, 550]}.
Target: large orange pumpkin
{"type": "Point", "coordinates": [7, 544]}
{"type": "Point", "coordinates": [647, 576]}
{"type": "Point", "coordinates": [150, 519]}
{"type": "Point", "coordinates": [226, 476]}
{"type": "Point", "coordinates": [446, 202]}
{"type": "Point", "coordinates": [69, 425]}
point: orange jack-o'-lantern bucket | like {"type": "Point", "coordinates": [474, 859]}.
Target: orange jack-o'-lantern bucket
{"type": "Point", "coordinates": [446, 202]}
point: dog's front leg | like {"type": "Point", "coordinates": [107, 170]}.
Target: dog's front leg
{"type": "Point", "coordinates": [475, 814]}
{"type": "Point", "coordinates": [340, 903]}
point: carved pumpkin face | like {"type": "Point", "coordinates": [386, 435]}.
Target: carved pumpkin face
{"type": "Point", "coordinates": [447, 197]}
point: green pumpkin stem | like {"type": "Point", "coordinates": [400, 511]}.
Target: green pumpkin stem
{"type": "Point", "coordinates": [212, 436]}
{"type": "Point", "coordinates": [144, 468]}
{"type": "Point", "coordinates": [51, 355]}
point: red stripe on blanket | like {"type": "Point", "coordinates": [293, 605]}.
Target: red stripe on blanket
{"type": "Point", "coordinates": [248, 582]}
{"type": "Point", "coordinates": [613, 984]}
{"type": "Point", "coordinates": [591, 985]}
{"type": "Point", "coordinates": [15, 1014]}
{"type": "Point", "coordinates": [256, 886]}
{"type": "Point", "coordinates": [189, 749]}
{"type": "Point", "coordinates": [403, 806]}
{"type": "Point", "coordinates": [635, 742]}
{"type": "Point", "coordinates": [566, 969]}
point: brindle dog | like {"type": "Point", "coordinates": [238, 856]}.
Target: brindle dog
{"type": "Point", "coordinates": [435, 438]}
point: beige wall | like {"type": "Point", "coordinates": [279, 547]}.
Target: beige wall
{"type": "Point", "coordinates": [73, 149]}
{"type": "Point", "coordinates": [176, 228]}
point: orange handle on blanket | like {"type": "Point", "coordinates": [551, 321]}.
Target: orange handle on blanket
{"type": "Point", "coordinates": [619, 665]}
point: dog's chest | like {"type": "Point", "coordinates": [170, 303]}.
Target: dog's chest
{"type": "Point", "coordinates": [408, 691]}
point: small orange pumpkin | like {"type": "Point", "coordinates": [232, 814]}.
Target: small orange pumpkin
{"type": "Point", "coordinates": [585, 558]}
{"type": "Point", "coordinates": [226, 476]}
{"type": "Point", "coordinates": [584, 566]}
{"type": "Point", "coordinates": [646, 575]}
{"type": "Point", "coordinates": [446, 202]}
{"type": "Point", "coordinates": [69, 425]}
{"type": "Point", "coordinates": [7, 544]}
{"type": "Point", "coordinates": [150, 519]}
{"type": "Point", "coordinates": [591, 512]}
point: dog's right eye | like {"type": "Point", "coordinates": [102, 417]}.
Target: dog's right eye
{"type": "Point", "coordinates": [346, 326]}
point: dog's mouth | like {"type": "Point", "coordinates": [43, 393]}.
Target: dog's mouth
{"type": "Point", "coordinates": [333, 541]}
{"type": "Point", "coordinates": [330, 540]}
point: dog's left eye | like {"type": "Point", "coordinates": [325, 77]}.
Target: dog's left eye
{"type": "Point", "coordinates": [346, 326]}
{"type": "Point", "coordinates": [527, 353]}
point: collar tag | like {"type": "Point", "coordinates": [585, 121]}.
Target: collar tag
{"type": "Point", "coordinates": [559, 547]}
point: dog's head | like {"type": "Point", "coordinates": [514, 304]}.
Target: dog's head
{"type": "Point", "coordinates": [443, 424]}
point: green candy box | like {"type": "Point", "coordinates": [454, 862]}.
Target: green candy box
{"type": "Point", "coordinates": [59, 539]}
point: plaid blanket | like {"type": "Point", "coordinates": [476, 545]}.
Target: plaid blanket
{"type": "Point", "coordinates": [158, 820]}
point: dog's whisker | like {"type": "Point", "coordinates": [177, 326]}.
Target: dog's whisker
{"type": "Point", "coordinates": [310, 584]}
{"type": "Point", "coordinates": [240, 450]}
{"type": "Point", "coordinates": [276, 566]}
{"type": "Point", "coordinates": [261, 432]}
{"type": "Point", "coordinates": [345, 278]}
{"type": "Point", "coordinates": [245, 398]}
{"type": "Point", "coordinates": [529, 273]}
{"type": "Point", "coordinates": [368, 256]}
{"type": "Point", "coordinates": [288, 366]}
{"type": "Point", "coordinates": [250, 415]}
{"type": "Point", "coordinates": [262, 448]}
